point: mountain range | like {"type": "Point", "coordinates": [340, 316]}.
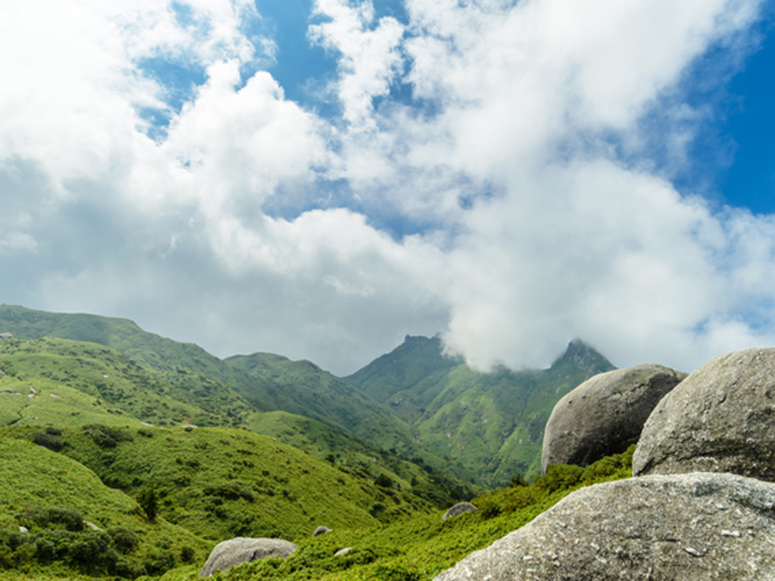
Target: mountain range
{"type": "Point", "coordinates": [128, 454]}
{"type": "Point", "coordinates": [415, 403]}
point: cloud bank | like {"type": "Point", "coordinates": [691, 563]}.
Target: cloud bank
{"type": "Point", "coordinates": [487, 175]}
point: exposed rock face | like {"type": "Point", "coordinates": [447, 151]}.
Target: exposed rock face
{"type": "Point", "coordinates": [6, 336]}
{"type": "Point", "coordinates": [720, 419]}
{"type": "Point", "coordinates": [241, 550]}
{"type": "Point", "coordinates": [321, 531]}
{"type": "Point", "coordinates": [459, 509]}
{"type": "Point", "coordinates": [605, 414]}
{"type": "Point", "coordinates": [690, 526]}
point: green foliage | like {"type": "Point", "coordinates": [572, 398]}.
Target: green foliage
{"type": "Point", "coordinates": [147, 500]}
{"type": "Point", "coordinates": [164, 383]}
{"type": "Point", "coordinates": [490, 423]}
{"type": "Point", "coordinates": [52, 518]}
{"type": "Point", "coordinates": [518, 480]}
{"type": "Point", "coordinates": [60, 502]}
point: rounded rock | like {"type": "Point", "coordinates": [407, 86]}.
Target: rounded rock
{"type": "Point", "coordinates": [698, 526]}
{"type": "Point", "coordinates": [719, 419]}
{"type": "Point", "coordinates": [459, 509]}
{"type": "Point", "coordinates": [605, 414]}
{"type": "Point", "coordinates": [241, 550]}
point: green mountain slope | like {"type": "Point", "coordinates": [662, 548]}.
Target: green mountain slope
{"type": "Point", "coordinates": [221, 482]}
{"type": "Point", "coordinates": [491, 423]}
{"type": "Point", "coordinates": [165, 383]}
{"type": "Point", "coordinates": [83, 380]}
{"type": "Point", "coordinates": [302, 388]}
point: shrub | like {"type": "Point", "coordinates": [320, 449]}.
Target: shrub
{"type": "Point", "coordinates": [124, 539]}
{"type": "Point", "coordinates": [395, 573]}
{"type": "Point", "coordinates": [51, 441]}
{"type": "Point", "coordinates": [384, 481]}
{"type": "Point", "coordinates": [187, 554]}
{"type": "Point", "coordinates": [53, 518]}
{"type": "Point", "coordinates": [559, 477]}
{"type": "Point", "coordinates": [148, 502]}
{"type": "Point", "coordinates": [106, 437]}
{"type": "Point", "coordinates": [517, 481]}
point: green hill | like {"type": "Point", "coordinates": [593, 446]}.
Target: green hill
{"type": "Point", "coordinates": [77, 524]}
{"type": "Point", "coordinates": [302, 388]}
{"type": "Point", "coordinates": [140, 375]}
{"type": "Point", "coordinates": [491, 422]}
{"type": "Point", "coordinates": [221, 482]}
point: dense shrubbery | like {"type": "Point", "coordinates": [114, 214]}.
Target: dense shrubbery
{"type": "Point", "coordinates": [107, 437]}
{"type": "Point", "coordinates": [60, 535]}
{"type": "Point", "coordinates": [51, 438]}
{"type": "Point", "coordinates": [558, 477]}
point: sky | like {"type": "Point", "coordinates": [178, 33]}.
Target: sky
{"type": "Point", "coordinates": [320, 178]}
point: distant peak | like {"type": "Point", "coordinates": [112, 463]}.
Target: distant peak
{"type": "Point", "coordinates": [585, 356]}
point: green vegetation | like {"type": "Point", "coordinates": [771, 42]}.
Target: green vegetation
{"type": "Point", "coordinates": [221, 482]}
{"type": "Point", "coordinates": [65, 383]}
{"type": "Point", "coordinates": [77, 524]}
{"type": "Point", "coordinates": [492, 423]}
{"type": "Point", "coordinates": [124, 454]}
{"type": "Point", "coordinates": [420, 548]}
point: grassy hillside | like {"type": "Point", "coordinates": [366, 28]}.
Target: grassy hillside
{"type": "Point", "coordinates": [84, 381]}
{"type": "Point", "coordinates": [302, 388]}
{"type": "Point", "coordinates": [63, 382]}
{"type": "Point", "coordinates": [76, 524]}
{"type": "Point", "coordinates": [492, 423]}
{"type": "Point", "coordinates": [422, 547]}
{"type": "Point", "coordinates": [226, 391]}
{"type": "Point", "coordinates": [219, 482]}
{"type": "Point", "coordinates": [340, 449]}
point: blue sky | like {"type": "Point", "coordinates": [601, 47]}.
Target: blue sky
{"type": "Point", "coordinates": [320, 178]}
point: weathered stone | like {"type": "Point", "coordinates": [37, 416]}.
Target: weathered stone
{"type": "Point", "coordinates": [459, 509]}
{"type": "Point", "coordinates": [719, 419]}
{"type": "Point", "coordinates": [321, 531]}
{"type": "Point", "coordinates": [697, 526]}
{"type": "Point", "coordinates": [6, 336]}
{"type": "Point", "coordinates": [241, 550]}
{"type": "Point", "coordinates": [343, 552]}
{"type": "Point", "coordinates": [605, 414]}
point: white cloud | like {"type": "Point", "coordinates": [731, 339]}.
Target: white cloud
{"type": "Point", "coordinates": [539, 233]}
{"type": "Point", "coordinates": [369, 58]}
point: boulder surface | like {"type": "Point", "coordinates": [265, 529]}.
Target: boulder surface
{"type": "Point", "coordinates": [458, 509]}
{"type": "Point", "coordinates": [321, 530]}
{"type": "Point", "coordinates": [605, 414]}
{"type": "Point", "coordinates": [689, 526]}
{"type": "Point", "coordinates": [719, 419]}
{"type": "Point", "coordinates": [241, 550]}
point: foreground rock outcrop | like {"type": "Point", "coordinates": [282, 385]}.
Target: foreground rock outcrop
{"type": "Point", "coordinates": [720, 419]}
{"type": "Point", "coordinates": [690, 526]}
{"type": "Point", "coordinates": [605, 414]}
{"type": "Point", "coordinates": [241, 550]}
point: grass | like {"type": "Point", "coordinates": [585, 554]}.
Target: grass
{"type": "Point", "coordinates": [36, 482]}
{"type": "Point", "coordinates": [419, 548]}
{"type": "Point", "coordinates": [222, 482]}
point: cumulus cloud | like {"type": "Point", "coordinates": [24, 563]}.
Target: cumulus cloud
{"type": "Point", "coordinates": [534, 228]}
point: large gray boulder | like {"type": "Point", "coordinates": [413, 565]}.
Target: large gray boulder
{"type": "Point", "coordinates": [720, 419]}
{"type": "Point", "coordinates": [690, 526]}
{"type": "Point", "coordinates": [241, 550]}
{"type": "Point", "coordinates": [605, 414]}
